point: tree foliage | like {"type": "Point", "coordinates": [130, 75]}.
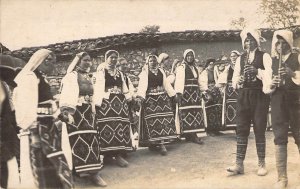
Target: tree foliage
{"type": "Point", "coordinates": [150, 29]}
{"type": "Point", "coordinates": [239, 23]}
{"type": "Point", "coordinates": [280, 13]}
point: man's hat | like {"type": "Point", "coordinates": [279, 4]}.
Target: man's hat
{"type": "Point", "coordinates": [208, 61]}
{"type": "Point", "coordinates": [8, 75]}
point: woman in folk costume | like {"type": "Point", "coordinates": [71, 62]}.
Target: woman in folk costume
{"type": "Point", "coordinates": [123, 67]}
{"type": "Point", "coordinates": [252, 103]}
{"type": "Point", "coordinates": [285, 99]}
{"type": "Point", "coordinates": [76, 104]}
{"type": "Point", "coordinates": [157, 121]}
{"type": "Point", "coordinates": [220, 74]}
{"type": "Point", "coordinates": [112, 113]}
{"type": "Point", "coordinates": [231, 95]}
{"type": "Point", "coordinates": [187, 86]}
{"type": "Point", "coordinates": [214, 100]}
{"type": "Point", "coordinates": [36, 114]}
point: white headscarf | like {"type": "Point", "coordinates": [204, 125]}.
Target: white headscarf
{"type": "Point", "coordinates": [146, 66]}
{"type": "Point", "coordinates": [36, 59]}
{"type": "Point", "coordinates": [162, 57]}
{"type": "Point", "coordinates": [104, 64]}
{"type": "Point", "coordinates": [254, 32]}
{"type": "Point", "coordinates": [236, 52]}
{"type": "Point", "coordinates": [75, 61]}
{"type": "Point", "coordinates": [109, 52]}
{"type": "Point", "coordinates": [286, 35]}
{"type": "Point", "coordinates": [186, 52]}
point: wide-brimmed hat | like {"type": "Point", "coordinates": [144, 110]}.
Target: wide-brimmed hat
{"type": "Point", "coordinates": [8, 75]}
{"type": "Point", "coordinates": [208, 61]}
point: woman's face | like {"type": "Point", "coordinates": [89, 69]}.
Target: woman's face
{"type": "Point", "coordinates": [85, 63]}
{"type": "Point", "coordinates": [190, 58]}
{"type": "Point", "coordinates": [47, 66]}
{"type": "Point", "coordinates": [211, 65]}
{"type": "Point", "coordinates": [112, 59]}
{"type": "Point", "coordinates": [233, 57]}
{"type": "Point", "coordinates": [282, 46]}
{"type": "Point", "coordinates": [152, 62]}
{"type": "Point", "coordinates": [221, 67]}
{"type": "Point", "coordinates": [250, 43]}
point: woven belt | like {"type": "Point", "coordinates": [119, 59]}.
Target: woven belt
{"type": "Point", "coordinates": [114, 90]}
{"type": "Point", "coordinates": [86, 99]}
{"type": "Point", "coordinates": [156, 90]}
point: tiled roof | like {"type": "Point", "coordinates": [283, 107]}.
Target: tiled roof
{"type": "Point", "coordinates": [93, 46]}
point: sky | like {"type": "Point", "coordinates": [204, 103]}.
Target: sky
{"type": "Point", "coordinates": [29, 23]}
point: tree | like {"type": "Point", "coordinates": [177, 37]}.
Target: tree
{"type": "Point", "coordinates": [239, 23]}
{"type": "Point", "coordinates": [280, 13]}
{"type": "Point", "coordinates": [150, 29]}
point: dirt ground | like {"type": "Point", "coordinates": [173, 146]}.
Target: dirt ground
{"type": "Point", "coordinates": [189, 165]}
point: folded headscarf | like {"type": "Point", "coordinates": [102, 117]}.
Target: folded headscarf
{"type": "Point", "coordinates": [236, 52]}
{"type": "Point", "coordinates": [36, 59]}
{"type": "Point", "coordinates": [255, 33]}
{"type": "Point", "coordinates": [146, 66]}
{"type": "Point", "coordinates": [186, 52]}
{"type": "Point", "coordinates": [75, 61]}
{"type": "Point", "coordinates": [162, 57]}
{"type": "Point", "coordinates": [286, 35]}
{"type": "Point", "coordinates": [110, 52]}
{"type": "Point", "coordinates": [104, 64]}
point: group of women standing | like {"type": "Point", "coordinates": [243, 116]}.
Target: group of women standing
{"type": "Point", "coordinates": [94, 115]}
{"type": "Point", "coordinates": [97, 114]}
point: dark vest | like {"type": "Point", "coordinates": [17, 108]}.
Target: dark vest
{"type": "Point", "coordinates": [230, 74]}
{"type": "Point", "coordinates": [155, 80]}
{"type": "Point", "coordinates": [110, 81]}
{"type": "Point", "coordinates": [189, 76]}
{"type": "Point", "coordinates": [43, 88]}
{"type": "Point", "coordinates": [250, 80]}
{"type": "Point", "coordinates": [293, 63]}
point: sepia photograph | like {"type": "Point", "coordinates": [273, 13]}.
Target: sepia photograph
{"type": "Point", "coordinates": [150, 94]}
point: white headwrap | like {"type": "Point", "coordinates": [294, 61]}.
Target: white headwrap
{"type": "Point", "coordinates": [286, 35]}
{"type": "Point", "coordinates": [236, 52]}
{"type": "Point", "coordinates": [109, 52]}
{"type": "Point", "coordinates": [146, 66]}
{"type": "Point", "coordinates": [162, 57]}
{"type": "Point", "coordinates": [75, 62]}
{"type": "Point", "coordinates": [36, 59]}
{"type": "Point", "coordinates": [104, 65]}
{"type": "Point", "coordinates": [186, 52]}
{"type": "Point", "coordinates": [254, 32]}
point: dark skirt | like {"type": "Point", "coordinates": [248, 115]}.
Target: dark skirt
{"type": "Point", "coordinates": [191, 113]}
{"type": "Point", "coordinates": [231, 96]}
{"type": "Point", "coordinates": [48, 163]}
{"type": "Point", "coordinates": [214, 110]}
{"type": "Point", "coordinates": [157, 121]}
{"type": "Point", "coordinates": [84, 141]}
{"type": "Point", "coordinates": [113, 125]}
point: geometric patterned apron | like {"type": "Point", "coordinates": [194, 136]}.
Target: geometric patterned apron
{"type": "Point", "coordinates": [231, 96]}
{"type": "Point", "coordinates": [191, 113]}
{"type": "Point", "coordinates": [113, 125]}
{"type": "Point", "coordinates": [84, 142]}
{"type": "Point", "coordinates": [158, 120]}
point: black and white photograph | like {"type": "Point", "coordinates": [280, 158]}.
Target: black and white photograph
{"type": "Point", "coordinates": [150, 94]}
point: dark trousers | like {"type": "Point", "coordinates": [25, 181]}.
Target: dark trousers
{"type": "Point", "coordinates": [285, 106]}
{"type": "Point", "coordinates": [252, 107]}
{"type": "Point", "coordinates": [4, 174]}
